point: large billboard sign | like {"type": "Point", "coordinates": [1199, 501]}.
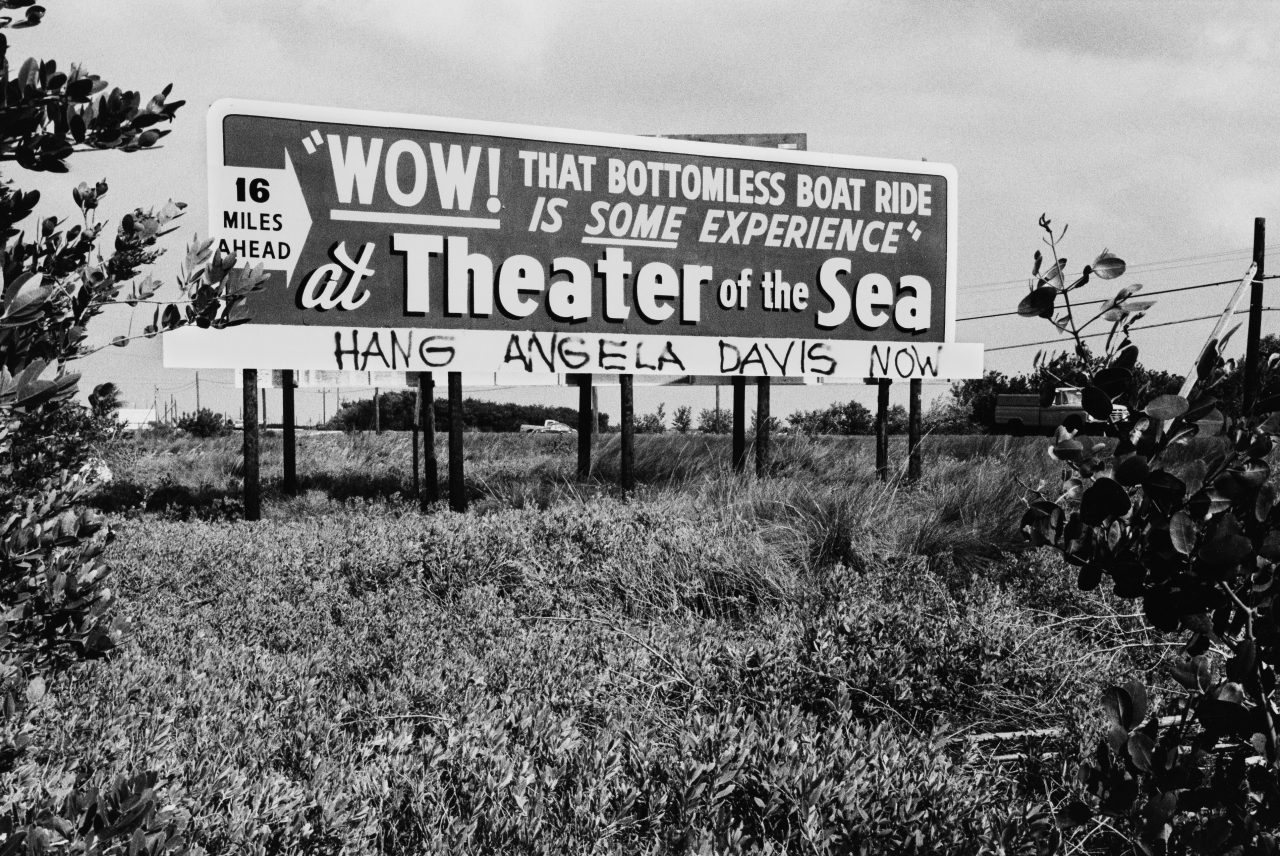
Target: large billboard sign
{"type": "Point", "coordinates": [412, 243]}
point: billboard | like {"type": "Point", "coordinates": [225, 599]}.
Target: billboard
{"type": "Point", "coordinates": [412, 243]}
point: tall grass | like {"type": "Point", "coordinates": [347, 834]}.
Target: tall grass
{"type": "Point", "coordinates": [715, 661]}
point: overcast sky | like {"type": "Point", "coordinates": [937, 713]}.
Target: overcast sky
{"type": "Point", "coordinates": [1151, 128]}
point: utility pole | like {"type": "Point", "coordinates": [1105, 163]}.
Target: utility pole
{"type": "Point", "coordinates": [377, 411]}
{"type": "Point", "coordinates": [264, 407]}
{"type": "Point", "coordinates": [197, 392]}
{"type": "Point", "coordinates": [1255, 315]}
{"type": "Point", "coordinates": [324, 399]}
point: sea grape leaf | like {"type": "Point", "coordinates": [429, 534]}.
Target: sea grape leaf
{"type": "Point", "coordinates": [1104, 498]}
{"type": "Point", "coordinates": [1039, 303]}
{"type": "Point", "coordinates": [1166, 407]}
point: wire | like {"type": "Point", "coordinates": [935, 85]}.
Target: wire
{"type": "Point", "coordinates": [1159, 265]}
{"type": "Point", "coordinates": [1143, 327]}
{"type": "Point", "coordinates": [1142, 294]}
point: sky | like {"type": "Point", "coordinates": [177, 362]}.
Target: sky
{"type": "Point", "coordinates": [1151, 128]}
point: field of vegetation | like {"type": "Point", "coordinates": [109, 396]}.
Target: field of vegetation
{"type": "Point", "coordinates": [802, 664]}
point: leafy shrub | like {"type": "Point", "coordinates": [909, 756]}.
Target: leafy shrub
{"type": "Point", "coordinates": [1196, 546]}
{"type": "Point", "coordinates": [847, 417]}
{"type": "Point", "coordinates": [204, 423]}
{"type": "Point", "coordinates": [715, 421]}
{"type": "Point", "coordinates": [652, 423]}
{"type": "Point", "coordinates": [396, 411]}
{"type": "Point", "coordinates": [55, 600]}
{"type": "Point", "coordinates": [58, 436]}
{"type": "Point", "coordinates": [682, 420]}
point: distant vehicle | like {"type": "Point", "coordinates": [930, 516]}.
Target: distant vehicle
{"type": "Point", "coordinates": [1018, 413]}
{"type": "Point", "coordinates": [551, 426]}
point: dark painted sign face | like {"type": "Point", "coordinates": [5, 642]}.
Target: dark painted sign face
{"type": "Point", "coordinates": [416, 243]}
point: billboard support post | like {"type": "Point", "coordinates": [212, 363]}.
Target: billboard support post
{"type": "Point", "coordinates": [762, 427]}
{"type": "Point", "coordinates": [628, 416]}
{"type": "Point", "coordinates": [913, 433]}
{"type": "Point", "coordinates": [290, 434]}
{"type": "Point", "coordinates": [413, 438]}
{"type": "Point", "coordinates": [739, 424]}
{"type": "Point", "coordinates": [882, 429]}
{"type": "Point", "coordinates": [252, 489]}
{"type": "Point", "coordinates": [457, 488]}
{"type": "Point", "coordinates": [430, 470]}
{"type": "Point", "coordinates": [585, 428]}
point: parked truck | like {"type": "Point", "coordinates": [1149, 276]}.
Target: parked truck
{"type": "Point", "coordinates": [1020, 413]}
{"type": "Point", "coordinates": [550, 426]}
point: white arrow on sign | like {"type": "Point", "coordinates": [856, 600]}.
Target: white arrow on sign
{"type": "Point", "coordinates": [261, 215]}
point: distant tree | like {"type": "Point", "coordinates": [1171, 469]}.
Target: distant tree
{"type": "Point", "coordinates": [653, 423]}
{"type": "Point", "coordinates": [204, 423]}
{"type": "Point", "coordinates": [978, 395]}
{"type": "Point", "coordinates": [682, 420]}
{"type": "Point", "coordinates": [774, 423]}
{"type": "Point", "coordinates": [715, 421]}
{"type": "Point", "coordinates": [946, 415]}
{"type": "Point", "coordinates": [396, 409]}
{"type": "Point", "coordinates": [847, 417]}
{"type": "Point", "coordinates": [897, 419]}
{"type": "Point", "coordinates": [1231, 391]}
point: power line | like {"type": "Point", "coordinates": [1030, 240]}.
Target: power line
{"type": "Point", "coordinates": [1138, 294]}
{"type": "Point", "coordinates": [1156, 266]}
{"type": "Point", "coordinates": [1143, 327]}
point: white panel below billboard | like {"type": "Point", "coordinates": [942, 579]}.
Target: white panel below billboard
{"type": "Point", "coordinates": [313, 379]}
{"type": "Point", "coordinates": [347, 349]}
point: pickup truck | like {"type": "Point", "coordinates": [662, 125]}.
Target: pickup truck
{"type": "Point", "coordinates": [550, 426]}
{"type": "Point", "coordinates": [1018, 413]}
